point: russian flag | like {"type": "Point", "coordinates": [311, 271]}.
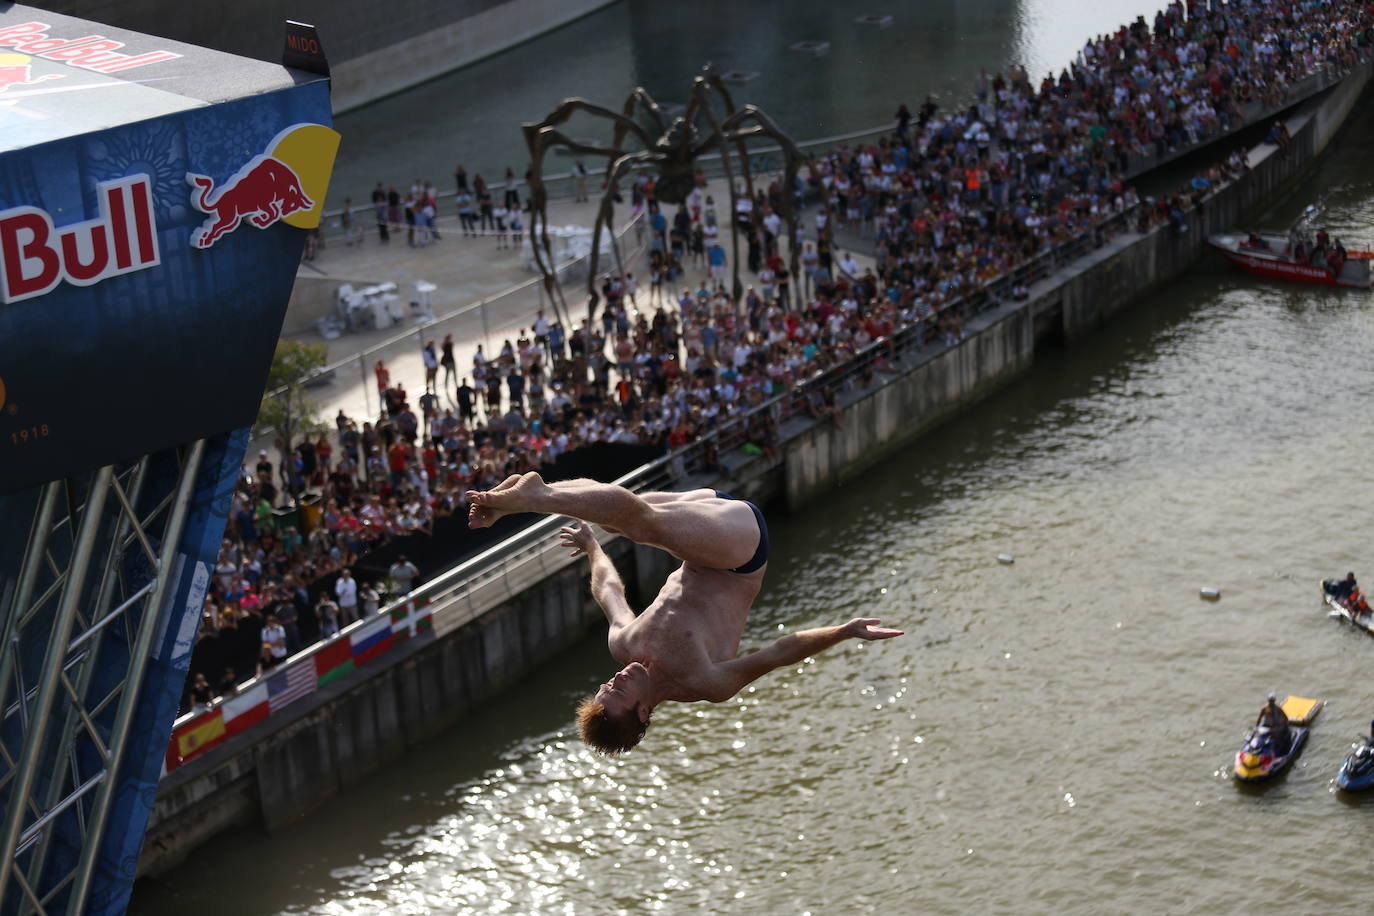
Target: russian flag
{"type": "Point", "coordinates": [372, 639]}
{"type": "Point", "coordinates": [247, 708]}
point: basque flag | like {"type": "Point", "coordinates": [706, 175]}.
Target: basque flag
{"type": "Point", "coordinates": [411, 618]}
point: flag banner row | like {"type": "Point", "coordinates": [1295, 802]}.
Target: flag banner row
{"type": "Point", "coordinates": [274, 690]}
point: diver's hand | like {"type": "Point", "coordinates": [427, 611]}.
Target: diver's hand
{"type": "Point", "coordinates": [868, 628]}
{"type": "Point", "coordinates": [580, 539]}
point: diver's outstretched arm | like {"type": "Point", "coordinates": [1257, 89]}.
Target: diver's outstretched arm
{"type": "Point", "coordinates": [729, 678]}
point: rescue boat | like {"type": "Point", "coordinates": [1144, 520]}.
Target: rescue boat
{"type": "Point", "coordinates": [1271, 254]}
{"type": "Point", "coordinates": [1267, 254]}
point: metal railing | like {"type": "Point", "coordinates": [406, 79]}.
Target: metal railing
{"type": "Point", "coordinates": [497, 574]}
{"type": "Point", "coordinates": [764, 160]}
{"type": "Point", "coordinates": [769, 159]}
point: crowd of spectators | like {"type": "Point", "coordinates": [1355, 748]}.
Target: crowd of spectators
{"type": "Point", "coordinates": [954, 201]}
{"type": "Point", "coordinates": [955, 198]}
{"type": "Point", "coordinates": [481, 209]}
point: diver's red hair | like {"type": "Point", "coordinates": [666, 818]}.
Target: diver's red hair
{"type": "Point", "coordinates": [607, 734]}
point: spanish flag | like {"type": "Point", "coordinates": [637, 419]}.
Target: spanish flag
{"type": "Point", "coordinates": [199, 735]}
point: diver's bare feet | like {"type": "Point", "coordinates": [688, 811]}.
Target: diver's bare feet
{"type": "Point", "coordinates": [516, 493]}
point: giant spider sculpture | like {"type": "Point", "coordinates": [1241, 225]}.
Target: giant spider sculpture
{"type": "Point", "coordinates": [673, 153]}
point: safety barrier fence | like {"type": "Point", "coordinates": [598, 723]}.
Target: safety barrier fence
{"type": "Point", "coordinates": [497, 574]}
{"type": "Point", "coordinates": [763, 160]}
{"type": "Point", "coordinates": [439, 606]}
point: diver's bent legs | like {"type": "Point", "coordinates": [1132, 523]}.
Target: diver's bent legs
{"type": "Point", "coordinates": [697, 527]}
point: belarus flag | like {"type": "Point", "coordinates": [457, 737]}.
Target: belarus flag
{"type": "Point", "coordinates": [372, 639]}
{"type": "Point", "coordinates": [333, 661]}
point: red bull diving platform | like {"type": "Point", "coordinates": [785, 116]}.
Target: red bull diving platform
{"type": "Point", "coordinates": [155, 197]}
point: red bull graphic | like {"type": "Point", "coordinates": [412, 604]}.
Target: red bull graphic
{"type": "Point", "coordinates": [263, 192]}
{"type": "Point", "coordinates": [14, 71]}
{"type": "Point", "coordinates": [89, 52]}
{"type": "Point", "coordinates": [35, 255]}
{"type": "Point", "coordinates": [287, 183]}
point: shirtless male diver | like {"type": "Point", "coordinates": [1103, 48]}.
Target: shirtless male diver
{"type": "Point", "coordinates": [683, 647]}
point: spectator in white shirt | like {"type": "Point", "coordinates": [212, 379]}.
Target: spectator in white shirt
{"type": "Point", "coordinates": [346, 590]}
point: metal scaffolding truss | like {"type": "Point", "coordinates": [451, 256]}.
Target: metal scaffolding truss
{"type": "Point", "coordinates": [78, 617]}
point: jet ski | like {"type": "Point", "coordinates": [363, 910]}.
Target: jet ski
{"type": "Point", "coordinates": [1357, 772]}
{"type": "Point", "coordinates": [1266, 752]}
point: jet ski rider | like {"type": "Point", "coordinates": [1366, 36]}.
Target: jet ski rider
{"type": "Point", "coordinates": [1341, 589]}
{"type": "Point", "coordinates": [1275, 719]}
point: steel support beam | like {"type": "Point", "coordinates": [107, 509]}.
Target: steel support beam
{"type": "Point", "coordinates": [73, 609]}
{"type": "Point", "coordinates": [138, 661]}
{"type": "Point", "coordinates": [49, 678]}
{"type": "Point", "coordinates": [77, 715]}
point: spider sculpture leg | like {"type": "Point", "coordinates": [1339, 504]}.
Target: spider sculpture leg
{"type": "Point", "coordinates": [624, 123]}
{"type": "Point", "coordinates": [701, 105]}
{"type": "Point", "coordinates": [641, 96]}
{"type": "Point", "coordinates": [605, 216]}
{"type": "Point", "coordinates": [732, 128]}
{"type": "Point", "coordinates": [540, 138]}
{"type": "Point", "coordinates": [710, 81]}
{"type": "Point", "coordinates": [539, 246]}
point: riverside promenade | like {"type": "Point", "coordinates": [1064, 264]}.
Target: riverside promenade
{"type": "Point", "coordinates": [484, 294]}
{"type": "Point", "coordinates": [466, 272]}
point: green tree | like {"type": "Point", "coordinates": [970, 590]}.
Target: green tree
{"type": "Point", "coordinates": [287, 410]}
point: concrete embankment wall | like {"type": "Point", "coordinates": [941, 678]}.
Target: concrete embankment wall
{"type": "Point", "coordinates": [280, 770]}
{"type": "Point", "coordinates": [425, 53]}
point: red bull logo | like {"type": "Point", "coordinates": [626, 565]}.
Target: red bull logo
{"type": "Point", "coordinates": [287, 183]}
{"type": "Point", "coordinates": [36, 255]}
{"type": "Point", "coordinates": [262, 192]}
{"type": "Point", "coordinates": [14, 71]}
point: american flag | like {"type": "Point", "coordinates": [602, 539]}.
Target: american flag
{"type": "Point", "coordinates": [290, 685]}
